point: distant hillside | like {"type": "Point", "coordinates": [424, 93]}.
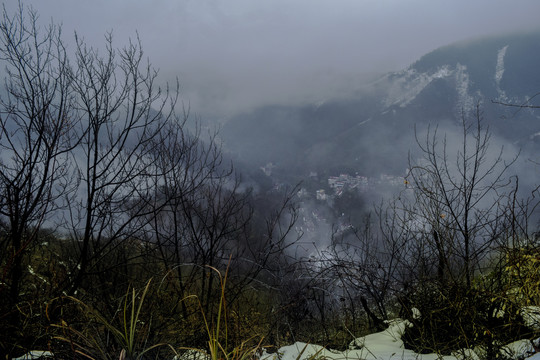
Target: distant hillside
{"type": "Point", "coordinates": [374, 132]}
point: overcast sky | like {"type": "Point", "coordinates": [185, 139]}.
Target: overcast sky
{"type": "Point", "coordinates": [234, 54]}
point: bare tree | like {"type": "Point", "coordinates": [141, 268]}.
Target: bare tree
{"type": "Point", "coordinates": [122, 111]}
{"type": "Point", "coordinates": [36, 121]}
{"type": "Point", "coordinates": [202, 217]}
{"type": "Point", "coordinates": [459, 211]}
{"type": "Point", "coordinates": [527, 104]}
{"type": "Point", "coordinates": [93, 146]}
{"type": "Point", "coordinates": [199, 216]}
{"type": "Point", "coordinates": [371, 267]}
{"type": "Point", "coordinates": [460, 203]}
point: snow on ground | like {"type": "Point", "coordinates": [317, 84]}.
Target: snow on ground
{"type": "Point", "coordinates": [385, 345]}
{"type": "Point", "coordinates": [531, 316]}
{"type": "Point", "coordinates": [35, 355]}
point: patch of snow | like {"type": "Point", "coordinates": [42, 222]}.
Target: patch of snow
{"type": "Point", "coordinates": [468, 354]}
{"type": "Point", "coordinates": [363, 122]}
{"type": "Point", "coordinates": [35, 354]}
{"type": "Point", "coordinates": [531, 316]}
{"type": "Point", "coordinates": [384, 345]}
{"type": "Point", "coordinates": [387, 345]}
{"type": "Point", "coordinates": [518, 349]}
{"type": "Point", "coordinates": [406, 85]}
{"type": "Point", "coordinates": [410, 83]}
{"type": "Point", "coordinates": [466, 102]}
{"type": "Point", "coordinates": [193, 354]}
{"type": "Point", "coordinates": [534, 135]}
{"type": "Point", "coordinates": [297, 351]}
{"type": "Point", "coordinates": [32, 272]}
{"type": "Point", "coordinates": [499, 68]}
{"type": "Point", "coordinates": [499, 71]}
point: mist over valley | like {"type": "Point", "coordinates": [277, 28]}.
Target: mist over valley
{"type": "Point", "coordinates": [367, 138]}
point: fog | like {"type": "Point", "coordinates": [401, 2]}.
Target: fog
{"type": "Point", "coordinates": [231, 56]}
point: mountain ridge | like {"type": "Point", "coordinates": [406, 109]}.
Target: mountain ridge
{"type": "Point", "coordinates": [374, 132]}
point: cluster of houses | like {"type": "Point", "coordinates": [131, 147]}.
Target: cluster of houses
{"type": "Point", "coordinates": [313, 217]}
{"type": "Point", "coordinates": [345, 182]}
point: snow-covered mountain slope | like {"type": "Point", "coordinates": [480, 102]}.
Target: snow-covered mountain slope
{"type": "Point", "coordinates": [439, 88]}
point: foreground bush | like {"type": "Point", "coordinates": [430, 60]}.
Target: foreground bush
{"type": "Point", "coordinates": [460, 317]}
{"type": "Point", "coordinates": [494, 311]}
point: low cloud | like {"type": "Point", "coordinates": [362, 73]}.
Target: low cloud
{"type": "Point", "coordinates": [230, 56]}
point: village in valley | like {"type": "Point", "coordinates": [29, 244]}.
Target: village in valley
{"type": "Point", "coordinates": [329, 205]}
